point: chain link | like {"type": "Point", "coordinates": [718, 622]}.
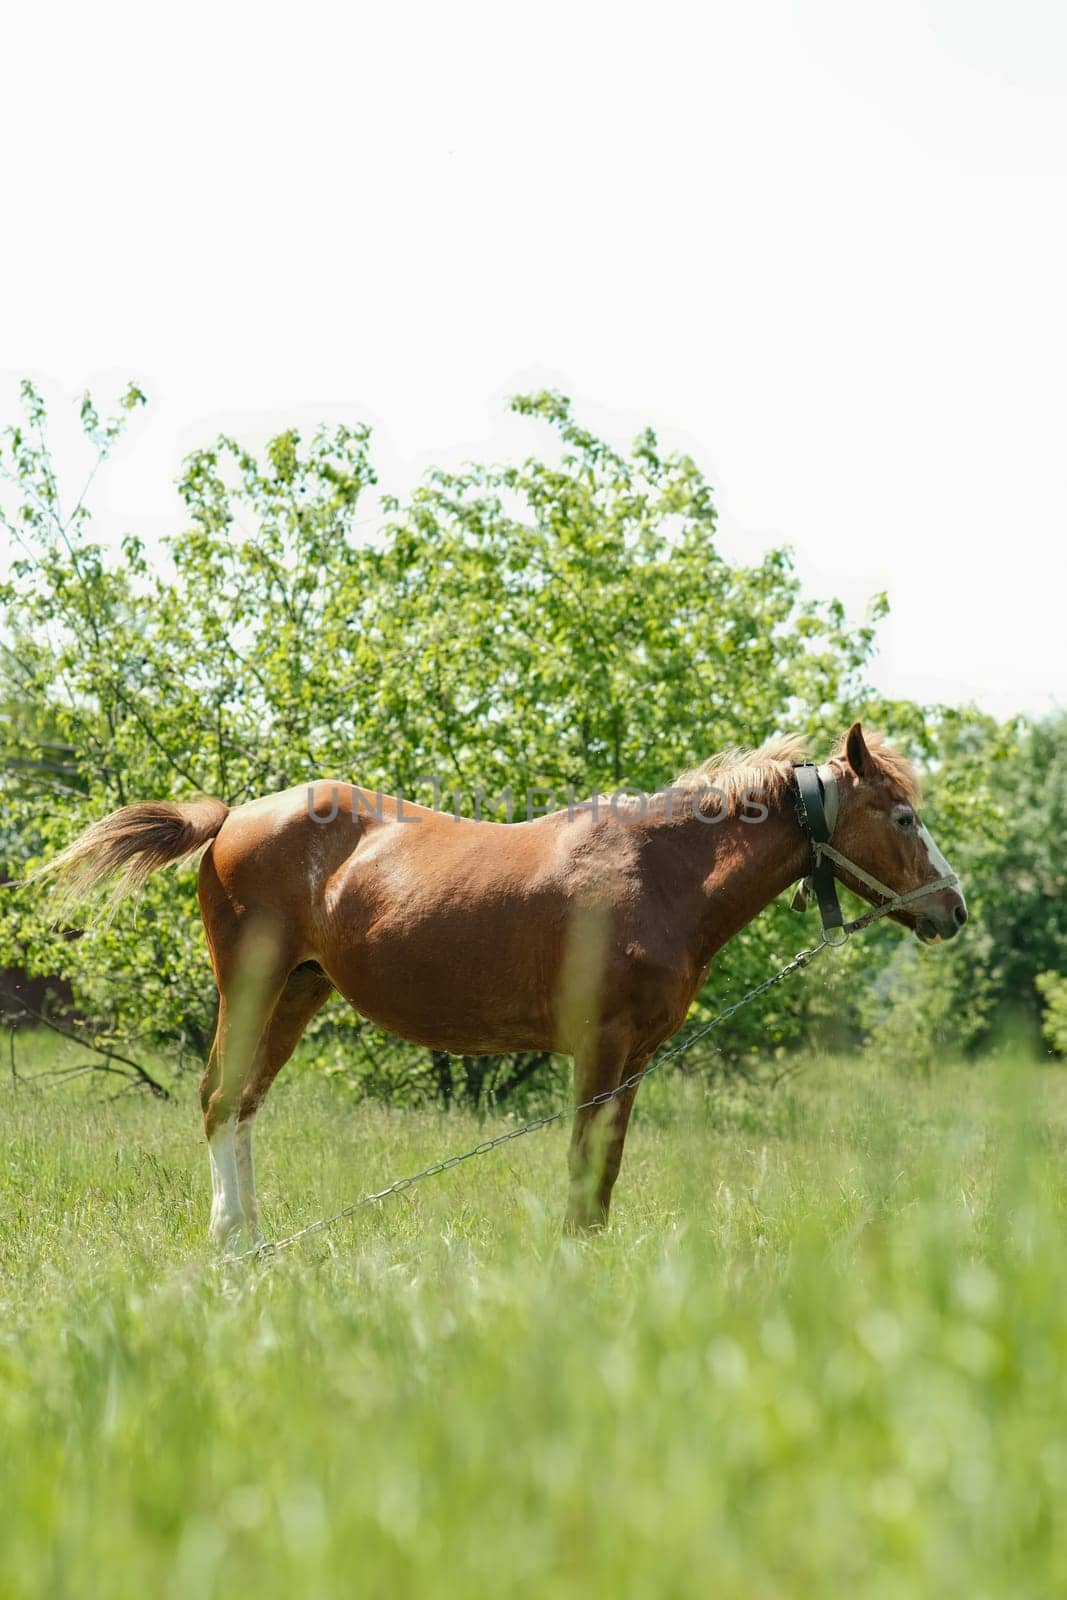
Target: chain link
{"type": "Point", "coordinates": [799, 961]}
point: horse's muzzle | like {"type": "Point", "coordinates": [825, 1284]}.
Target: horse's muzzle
{"type": "Point", "coordinates": [939, 923]}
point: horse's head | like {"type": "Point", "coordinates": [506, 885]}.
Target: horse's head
{"type": "Point", "coordinates": [881, 831]}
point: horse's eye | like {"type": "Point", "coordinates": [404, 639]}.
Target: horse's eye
{"type": "Point", "coordinates": [904, 818]}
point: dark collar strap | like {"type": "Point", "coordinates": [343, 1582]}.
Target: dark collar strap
{"type": "Point", "coordinates": [811, 810]}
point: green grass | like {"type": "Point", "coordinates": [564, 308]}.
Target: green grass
{"type": "Point", "coordinates": [821, 1352]}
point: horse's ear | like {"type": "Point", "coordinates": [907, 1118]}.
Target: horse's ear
{"type": "Point", "coordinates": [856, 753]}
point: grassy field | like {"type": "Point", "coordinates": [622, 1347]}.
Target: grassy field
{"type": "Point", "coordinates": [821, 1352]}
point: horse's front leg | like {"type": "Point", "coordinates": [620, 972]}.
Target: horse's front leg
{"type": "Point", "coordinates": [599, 1132]}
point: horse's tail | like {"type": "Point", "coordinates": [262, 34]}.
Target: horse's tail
{"type": "Point", "coordinates": [134, 842]}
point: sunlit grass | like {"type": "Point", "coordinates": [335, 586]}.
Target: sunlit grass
{"type": "Point", "coordinates": [821, 1352]}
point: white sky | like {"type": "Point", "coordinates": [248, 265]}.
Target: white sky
{"type": "Point", "coordinates": [822, 246]}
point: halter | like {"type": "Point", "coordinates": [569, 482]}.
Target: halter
{"type": "Point", "coordinates": [817, 809]}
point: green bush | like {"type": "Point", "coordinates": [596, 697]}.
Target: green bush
{"type": "Point", "coordinates": [1052, 986]}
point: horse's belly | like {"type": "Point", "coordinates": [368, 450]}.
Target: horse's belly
{"type": "Point", "coordinates": [439, 994]}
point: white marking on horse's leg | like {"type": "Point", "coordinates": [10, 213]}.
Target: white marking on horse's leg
{"type": "Point", "coordinates": [227, 1216]}
{"type": "Point", "coordinates": [937, 860]}
{"type": "Point", "coordinates": [246, 1178]}
{"type": "Point", "coordinates": [216, 1181]}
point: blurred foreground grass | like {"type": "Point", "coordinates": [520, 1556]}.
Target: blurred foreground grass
{"type": "Point", "coordinates": [821, 1352]}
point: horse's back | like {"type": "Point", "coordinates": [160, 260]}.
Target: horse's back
{"type": "Point", "coordinates": [334, 869]}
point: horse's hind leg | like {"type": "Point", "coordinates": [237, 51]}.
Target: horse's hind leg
{"type": "Point", "coordinates": [228, 1068]}
{"type": "Point", "coordinates": [306, 989]}
{"type": "Point", "coordinates": [251, 980]}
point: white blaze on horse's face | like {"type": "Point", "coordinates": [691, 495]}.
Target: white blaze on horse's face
{"type": "Point", "coordinates": [937, 860]}
{"type": "Point", "coordinates": [937, 927]}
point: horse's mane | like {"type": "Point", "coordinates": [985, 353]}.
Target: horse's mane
{"type": "Point", "coordinates": [768, 769]}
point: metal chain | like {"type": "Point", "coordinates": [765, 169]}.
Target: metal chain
{"type": "Point", "coordinates": [274, 1246]}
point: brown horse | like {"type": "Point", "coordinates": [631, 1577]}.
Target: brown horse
{"type": "Point", "coordinates": [588, 930]}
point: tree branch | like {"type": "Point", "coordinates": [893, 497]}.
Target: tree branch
{"type": "Point", "coordinates": [145, 1077]}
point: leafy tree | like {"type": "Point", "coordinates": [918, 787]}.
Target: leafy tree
{"type": "Point", "coordinates": [566, 623]}
{"type": "Point", "coordinates": [1026, 911]}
